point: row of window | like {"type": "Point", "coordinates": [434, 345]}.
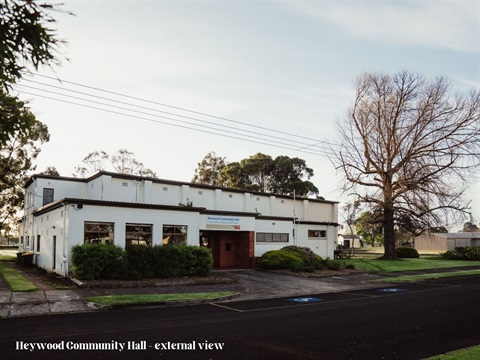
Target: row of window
{"type": "Point", "coordinates": [141, 234]}
{"type": "Point", "coordinates": [135, 234]}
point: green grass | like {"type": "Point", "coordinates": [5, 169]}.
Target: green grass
{"type": "Point", "coordinates": [471, 353]}
{"type": "Point", "coordinates": [386, 266]}
{"type": "Point", "coordinates": [412, 278]}
{"type": "Point", "coordinates": [15, 281]}
{"type": "Point", "coordinates": [6, 257]}
{"type": "Point", "coordinates": [111, 300]}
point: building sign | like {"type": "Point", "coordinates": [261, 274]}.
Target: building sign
{"type": "Point", "coordinates": [223, 222]}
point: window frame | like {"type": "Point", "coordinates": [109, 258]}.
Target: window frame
{"type": "Point", "coordinates": [176, 235]}
{"type": "Point", "coordinates": [269, 237]}
{"type": "Point", "coordinates": [99, 239]}
{"type": "Point", "coordinates": [142, 231]}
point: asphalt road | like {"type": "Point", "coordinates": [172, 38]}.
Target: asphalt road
{"type": "Point", "coordinates": [400, 322]}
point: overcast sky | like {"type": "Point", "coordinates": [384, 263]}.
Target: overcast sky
{"type": "Point", "coordinates": [288, 66]}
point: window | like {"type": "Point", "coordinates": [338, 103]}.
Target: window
{"type": "Point", "coordinates": [272, 237]}
{"type": "Point", "coordinates": [138, 234]}
{"type": "Point", "coordinates": [98, 233]}
{"type": "Point", "coordinates": [47, 196]}
{"type": "Point", "coordinates": [38, 243]}
{"type": "Point", "coordinates": [317, 233]}
{"type": "Point", "coordinates": [174, 235]}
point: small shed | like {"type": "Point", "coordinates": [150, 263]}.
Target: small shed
{"type": "Point", "coordinates": [348, 241]}
{"type": "Point", "coordinates": [446, 241]}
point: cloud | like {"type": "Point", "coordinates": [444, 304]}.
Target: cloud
{"type": "Point", "coordinates": [439, 25]}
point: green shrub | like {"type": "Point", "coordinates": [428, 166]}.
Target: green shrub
{"type": "Point", "coordinates": [463, 253]}
{"type": "Point", "coordinates": [332, 264]}
{"type": "Point", "coordinates": [99, 261]}
{"type": "Point", "coordinates": [311, 261]}
{"type": "Point", "coordinates": [281, 260]}
{"type": "Point", "coordinates": [407, 253]}
{"type": "Point", "coordinates": [140, 262]}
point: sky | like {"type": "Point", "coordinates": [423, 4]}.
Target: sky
{"type": "Point", "coordinates": [279, 74]}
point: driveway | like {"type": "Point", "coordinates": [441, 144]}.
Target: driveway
{"type": "Point", "coordinates": [266, 284]}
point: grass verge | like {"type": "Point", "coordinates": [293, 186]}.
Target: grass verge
{"type": "Point", "coordinates": [431, 262]}
{"type": "Point", "coordinates": [471, 353]}
{"type": "Point", "coordinates": [15, 281]}
{"type": "Point", "coordinates": [112, 300]}
{"type": "Point", "coordinates": [413, 278]}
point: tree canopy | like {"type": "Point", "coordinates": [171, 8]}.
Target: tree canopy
{"type": "Point", "coordinates": [259, 172]}
{"type": "Point", "coordinates": [122, 161]}
{"type": "Point", "coordinates": [406, 148]}
{"type": "Point", "coordinates": [16, 161]}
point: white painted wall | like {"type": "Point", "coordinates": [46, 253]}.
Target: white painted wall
{"type": "Point", "coordinates": [272, 226]}
{"type": "Point", "coordinates": [67, 222]}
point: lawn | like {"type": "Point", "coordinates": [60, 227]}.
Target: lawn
{"type": "Point", "coordinates": [111, 300]}
{"type": "Point", "coordinates": [430, 262]}
{"type": "Point", "coordinates": [472, 353]}
{"type": "Point", "coordinates": [15, 281]}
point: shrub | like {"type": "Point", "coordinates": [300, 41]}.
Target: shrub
{"type": "Point", "coordinates": [280, 260]}
{"type": "Point", "coordinates": [407, 253]}
{"type": "Point", "coordinates": [463, 253]}
{"type": "Point", "coordinates": [311, 261]}
{"type": "Point", "coordinates": [99, 261]}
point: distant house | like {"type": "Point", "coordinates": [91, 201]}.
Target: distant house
{"type": "Point", "coordinates": [446, 241]}
{"type": "Point", "coordinates": [348, 240]}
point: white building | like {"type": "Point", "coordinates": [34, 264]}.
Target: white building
{"type": "Point", "coordinates": [61, 212]}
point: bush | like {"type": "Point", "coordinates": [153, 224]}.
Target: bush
{"type": "Point", "coordinates": [293, 258]}
{"type": "Point", "coordinates": [407, 253]}
{"type": "Point", "coordinates": [99, 261]}
{"type": "Point", "coordinates": [281, 260]}
{"type": "Point", "coordinates": [463, 253]}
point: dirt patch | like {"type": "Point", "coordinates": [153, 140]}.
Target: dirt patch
{"type": "Point", "coordinates": [187, 280]}
{"type": "Point", "coordinates": [324, 273]}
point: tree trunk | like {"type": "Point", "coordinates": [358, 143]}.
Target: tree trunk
{"type": "Point", "coordinates": [388, 229]}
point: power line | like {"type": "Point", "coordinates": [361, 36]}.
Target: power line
{"type": "Point", "coordinates": [165, 123]}
{"type": "Point", "coordinates": [175, 107]}
{"type": "Point", "coordinates": [325, 149]}
{"type": "Point", "coordinates": [265, 137]}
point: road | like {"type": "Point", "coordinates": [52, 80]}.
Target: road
{"type": "Point", "coordinates": [401, 322]}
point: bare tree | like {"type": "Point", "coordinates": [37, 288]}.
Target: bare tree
{"type": "Point", "coordinates": [407, 146]}
{"type": "Point", "coordinates": [123, 162]}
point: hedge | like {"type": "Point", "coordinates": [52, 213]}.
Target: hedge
{"type": "Point", "coordinates": [463, 253]}
{"type": "Point", "coordinates": [99, 261]}
{"type": "Point", "coordinates": [293, 258]}
{"type": "Point", "coordinates": [407, 253]}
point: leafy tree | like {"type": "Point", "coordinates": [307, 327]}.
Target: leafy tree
{"type": "Point", "coordinates": [209, 169]}
{"type": "Point", "coordinates": [369, 226]}
{"type": "Point", "coordinates": [26, 38]}
{"type": "Point", "coordinates": [403, 143]}
{"type": "Point", "coordinates": [123, 162]}
{"type": "Point", "coordinates": [259, 172]}
{"type": "Point", "coordinates": [16, 157]}
{"type": "Point", "coordinates": [51, 171]}
{"type": "Point", "coordinates": [287, 174]}
{"type": "Point", "coordinates": [470, 227]}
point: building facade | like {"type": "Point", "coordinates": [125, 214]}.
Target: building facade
{"type": "Point", "coordinates": [441, 242]}
{"type": "Point", "coordinates": [118, 209]}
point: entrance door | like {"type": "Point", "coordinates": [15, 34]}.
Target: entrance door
{"type": "Point", "coordinates": [229, 248]}
{"type": "Point", "coordinates": [54, 252]}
